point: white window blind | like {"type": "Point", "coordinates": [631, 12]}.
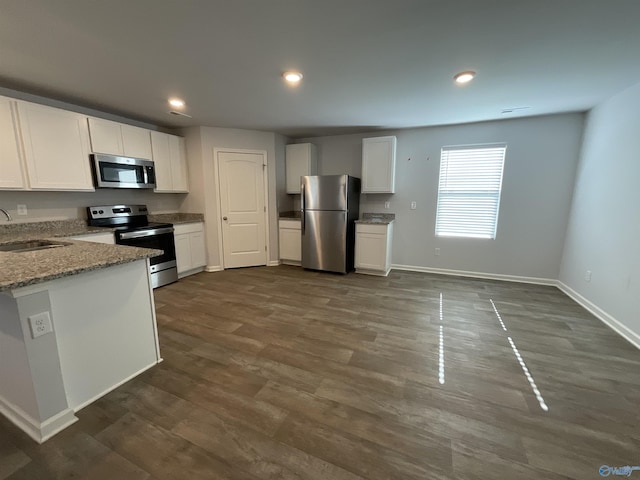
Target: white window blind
{"type": "Point", "coordinates": [469, 191]}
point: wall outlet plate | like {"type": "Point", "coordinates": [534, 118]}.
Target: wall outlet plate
{"type": "Point", "coordinates": [22, 210]}
{"type": "Point", "coordinates": [414, 205]}
{"type": "Point", "coordinates": [387, 204]}
{"type": "Point", "coordinates": [40, 324]}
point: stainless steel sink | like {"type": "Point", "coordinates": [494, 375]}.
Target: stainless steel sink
{"type": "Point", "coordinates": [20, 247]}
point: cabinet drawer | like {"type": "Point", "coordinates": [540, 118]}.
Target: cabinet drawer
{"type": "Point", "coordinates": [369, 228]}
{"type": "Point", "coordinates": [290, 224]}
{"type": "Point", "coordinates": [182, 228]}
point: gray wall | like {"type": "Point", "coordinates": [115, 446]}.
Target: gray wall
{"type": "Point", "coordinates": [201, 143]}
{"type": "Point", "coordinates": [542, 155]}
{"type": "Point", "coordinates": [604, 226]}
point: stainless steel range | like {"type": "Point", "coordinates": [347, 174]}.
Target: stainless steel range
{"type": "Point", "coordinates": [132, 227]}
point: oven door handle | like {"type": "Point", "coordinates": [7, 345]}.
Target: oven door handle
{"type": "Point", "coordinates": [145, 233]}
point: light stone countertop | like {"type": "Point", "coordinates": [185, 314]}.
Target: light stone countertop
{"type": "Point", "coordinates": [19, 269]}
{"type": "Point", "coordinates": [176, 217]}
{"type": "Point", "coordinates": [376, 218]}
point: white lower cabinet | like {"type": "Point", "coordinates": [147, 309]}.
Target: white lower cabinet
{"type": "Point", "coordinates": [373, 248]}
{"type": "Point", "coordinates": [190, 248]}
{"type": "Point", "coordinates": [290, 242]}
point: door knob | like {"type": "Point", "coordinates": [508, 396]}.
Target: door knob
{"type": "Point", "coordinates": [224, 218]}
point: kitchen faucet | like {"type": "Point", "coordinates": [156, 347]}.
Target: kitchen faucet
{"type": "Point", "coordinates": [6, 213]}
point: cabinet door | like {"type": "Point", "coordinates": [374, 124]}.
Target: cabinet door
{"type": "Point", "coordinates": [198, 254]}
{"type": "Point", "coordinates": [177, 153]}
{"type": "Point", "coordinates": [56, 144]}
{"type": "Point", "coordinates": [183, 252]}
{"type": "Point", "coordinates": [162, 161]}
{"type": "Point", "coordinates": [106, 136]}
{"type": "Point", "coordinates": [371, 251]}
{"type": "Point", "coordinates": [290, 244]}
{"type": "Point", "coordinates": [136, 142]}
{"type": "Point", "coordinates": [11, 161]}
{"type": "Point", "coordinates": [378, 165]}
{"type": "Point", "coordinates": [300, 160]}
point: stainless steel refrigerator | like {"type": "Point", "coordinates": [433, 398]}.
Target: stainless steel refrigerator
{"type": "Point", "coordinates": [330, 207]}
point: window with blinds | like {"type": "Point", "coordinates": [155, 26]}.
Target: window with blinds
{"type": "Point", "coordinates": [469, 191]}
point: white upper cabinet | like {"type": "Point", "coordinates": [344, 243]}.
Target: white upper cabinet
{"type": "Point", "coordinates": [301, 160]}
{"type": "Point", "coordinates": [178, 155]}
{"type": "Point", "coordinates": [379, 165]}
{"type": "Point", "coordinates": [56, 147]}
{"type": "Point", "coordinates": [11, 157]}
{"type": "Point", "coordinates": [119, 139]}
{"type": "Point", "coordinates": [169, 158]}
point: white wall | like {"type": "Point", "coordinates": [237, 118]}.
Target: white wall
{"type": "Point", "coordinates": [542, 154]}
{"type": "Point", "coordinates": [72, 205]}
{"type": "Point", "coordinates": [201, 142]}
{"type": "Point", "coordinates": [604, 226]}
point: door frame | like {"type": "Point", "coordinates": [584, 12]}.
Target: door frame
{"type": "Point", "coordinates": [265, 187]}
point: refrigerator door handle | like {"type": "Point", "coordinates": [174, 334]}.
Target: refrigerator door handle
{"type": "Point", "coordinates": [302, 206]}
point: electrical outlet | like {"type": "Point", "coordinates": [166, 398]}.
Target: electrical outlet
{"type": "Point", "coordinates": [587, 276]}
{"type": "Point", "coordinates": [387, 204]}
{"type": "Point", "coordinates": [22, 210]}
{"type": "Point", "coordinates": [437, 252]}
{"type": "Point", "coordinates": [40, 324]}
{"type": "Point", "coordinates": [414, 205]}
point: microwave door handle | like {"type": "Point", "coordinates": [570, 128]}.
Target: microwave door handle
{"type": "Point", "coordinates": [145, 233]}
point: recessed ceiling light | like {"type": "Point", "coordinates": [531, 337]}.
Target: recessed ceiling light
{"type": "Point", "coordinates": [176, 102]}
{"type": "Point", "coordinates": [464, 77]}
{"type": "Point", "coordinates": [292, 77]}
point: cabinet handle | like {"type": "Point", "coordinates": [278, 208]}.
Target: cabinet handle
{"type": "Point", "coordinates": [224, 218]}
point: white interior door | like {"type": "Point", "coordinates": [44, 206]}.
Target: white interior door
{"type": "Point", "coordinates": [242, 206]}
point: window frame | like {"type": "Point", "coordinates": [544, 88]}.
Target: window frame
{"type": "Point", "coordinates": [490, 193]}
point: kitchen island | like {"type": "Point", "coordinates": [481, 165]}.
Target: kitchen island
{"type": "Point", "coordinates": [76, 321]}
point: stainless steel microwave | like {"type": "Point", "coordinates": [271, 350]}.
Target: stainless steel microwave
{"type": "Point", "coordinates": [113, 171]}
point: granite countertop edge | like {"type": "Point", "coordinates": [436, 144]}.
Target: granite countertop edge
{"type": "Point", "coordinates": [176, 217]}
{"type": "Point", "coordinates": [68, 272]}
{"type": "Point", "coordinates": [376, 218]}
{"type": "Point", "coordinates": [77, 256]}
{"type": "Point", "coordinates": [374, 222]}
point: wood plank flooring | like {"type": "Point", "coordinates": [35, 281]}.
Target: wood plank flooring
{"type": "Point", "coordinates": [282, 373]}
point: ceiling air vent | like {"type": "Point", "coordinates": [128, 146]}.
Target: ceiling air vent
{"type": "Point", "coordinates": [180, 114]}
{"type": "Point", "coordinates": [513, 109]}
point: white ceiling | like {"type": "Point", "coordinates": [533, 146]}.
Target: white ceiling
{"type": "Point", "coordinates": [367, 64]}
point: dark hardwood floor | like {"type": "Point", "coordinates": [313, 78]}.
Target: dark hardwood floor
{"type": "Point", "coordinates": [281, 373]}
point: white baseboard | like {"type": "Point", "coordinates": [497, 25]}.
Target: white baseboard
{"type": "Point", "coordinates": [487, 276]}
{"type": "Point", "coordinates": [39, 431]}
{"type": "Point", "coordinates": [273, 263]}
{"type": "Point", "coordinates": [213, 268]}
{"type": "Point", "coordinates": [625, 332]}
{"type": "Point", "coordinates": [77, 408]}
{"type": "Point", "coordinates": [190, 272]}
